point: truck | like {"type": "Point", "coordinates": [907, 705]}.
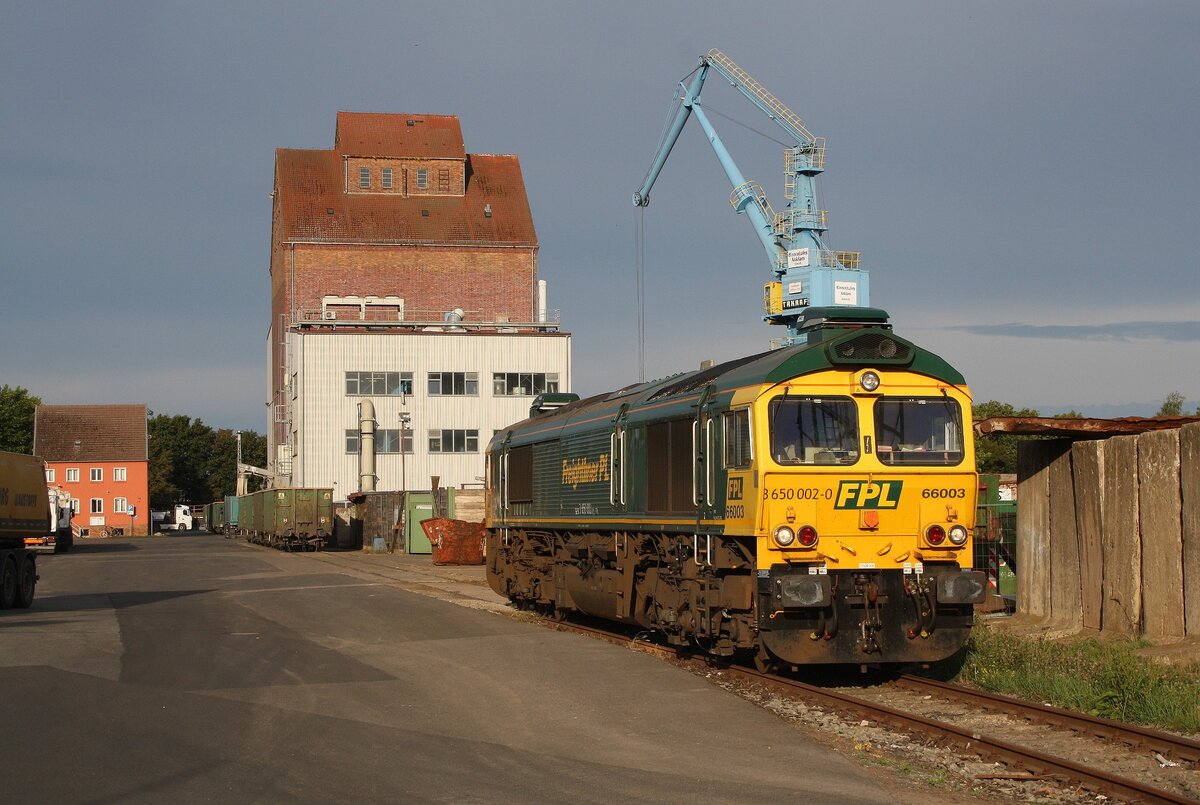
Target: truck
{"type": "Point", "coordinates": [58, 537]}
{"type": "Point", "coordinates": [24, 512]}
{"type": "Point", "coordinates": [177, 518]}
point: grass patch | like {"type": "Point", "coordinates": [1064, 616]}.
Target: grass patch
{"type": "Point", "coordinates": [1105, 678]}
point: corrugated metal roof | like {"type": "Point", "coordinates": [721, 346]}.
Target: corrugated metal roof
{"type": "Point", "coordinates": [390, 135]}
{"type": "Point", "coordinates": [90, 432]}
{"type": "Point", "coordinates": [1079, 428]}
{"type": "Point", "coordinates": [313, 206]}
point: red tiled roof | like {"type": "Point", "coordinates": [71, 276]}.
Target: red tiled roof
{"type": "Point", "coordinates": [387, 135]}
{"type": "Point", "coordinates": [90, 432]}
{"type": "Point", "coordinates": [308, 185]}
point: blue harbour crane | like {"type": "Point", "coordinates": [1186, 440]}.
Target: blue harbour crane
{"type": "Point", "coordinates": [813, 283]}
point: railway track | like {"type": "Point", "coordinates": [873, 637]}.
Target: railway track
{"type": "Point", "coordinates": [1023, 759]}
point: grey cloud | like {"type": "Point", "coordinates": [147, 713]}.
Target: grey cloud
{"type": "Point", "coordinates": [1178, 331]}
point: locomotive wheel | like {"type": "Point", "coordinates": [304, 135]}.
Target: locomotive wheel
{"type": "Point", "coordinates": [26, 583]}
{"type": "Point", "coordinates": [764, 663]}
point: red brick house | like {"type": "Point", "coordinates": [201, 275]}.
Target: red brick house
{"type": "Point", "coordinates": [377, 244]}
{"type": "Point", "coordinates": [98, 454]}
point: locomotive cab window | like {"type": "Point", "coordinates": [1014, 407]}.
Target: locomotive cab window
{"type": "Point", "coordinates": [919, 430]}
{"type": "Point", "coordinates": [814, 430]}
{"type": "Point", "coordinates": [736, 434]}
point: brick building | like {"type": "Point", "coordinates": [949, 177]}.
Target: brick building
{"type": "Point", "coordinates": [404, 271]}
{"type": "Point", "coordinates": [98, 454]}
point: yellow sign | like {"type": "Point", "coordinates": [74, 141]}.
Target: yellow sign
{"type": "Point", "coordinates": [576, 471]}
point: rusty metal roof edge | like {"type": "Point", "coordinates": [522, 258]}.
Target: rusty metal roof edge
{"type": "Point", "coordinates": [1083, 428]}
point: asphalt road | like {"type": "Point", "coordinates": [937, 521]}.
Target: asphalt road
{"type": "Point", "coordinates": [197, 669]}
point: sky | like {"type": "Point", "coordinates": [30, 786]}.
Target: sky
{"type": "Point", "coordinates": [1020, 177]}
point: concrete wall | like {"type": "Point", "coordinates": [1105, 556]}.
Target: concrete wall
{"type": "Point", "coordinates": [1109, 533]}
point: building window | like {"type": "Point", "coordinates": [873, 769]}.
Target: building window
{"type": "Point", "coordinates": [443, 181]}
{"type": "Point", "coordinates": [386, 441]}
{"type": "Point", "coordinates": [97, 505]}
{"type": "Point", "coordinates": [386, 179]}
{"type": "Point", "coordinates": [422, 178]}
{"type": "Point", "coordinates": [49, 475]}
{"type": "Point", "coordinates": [454, 441]}
{"type": "Point", "coordinates": [72, 475]}
{"type": "Point", "coordinates": [379, 384]}
{"type": "Point", "coordinates": [120, 506]}
{"type": "Point", "coordinates": [364, 178]}
{"type": "Point", "coordinates": [523, 384]}
{"type": "Point", "coordinates": [96, 473]}
{"type": "Point", "coordinates": [457, 384]}
{"type": "Point", "coordinates": [119, 474]}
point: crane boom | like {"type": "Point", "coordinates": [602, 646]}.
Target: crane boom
{"type": "Point", "coordinates": [808, 275]}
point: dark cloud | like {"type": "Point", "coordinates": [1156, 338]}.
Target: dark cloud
{"type": "Point", "coordinates": [1179, 331]}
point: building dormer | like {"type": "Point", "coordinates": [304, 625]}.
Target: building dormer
{"type": "Point", "coordinates": [404, 155]}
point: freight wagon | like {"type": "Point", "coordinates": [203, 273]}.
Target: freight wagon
{"type": "Point", "coordinates": [289, 518]}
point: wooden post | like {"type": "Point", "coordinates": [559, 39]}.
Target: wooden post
{"type": "Point", "coordinates": [1033, 530]}
{"type": "Point", "coordinates": [1189, 487]}
{"type": "Point", "coordinates": [1065, 606]}
{"type": "Point", "coordinates": [1121, 612]}
{"type": "Point", "coordinates": [1162, 539]}
{"type": "Point", "coordinates": [1087, 462]}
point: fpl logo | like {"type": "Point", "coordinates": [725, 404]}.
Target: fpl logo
{"type": "Point", "coordinates": [868, 494]}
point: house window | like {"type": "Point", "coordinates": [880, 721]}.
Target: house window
{"type": "Point", "coordinates": [49, 475]}
{"type": "Point", "coordinates": [119, 474]}
{"type": "Point", "coordinates": [72, 475]}
{"type": "Point", "coordinates": [97, 505]}
{"type": "Point", "coordinates": [454, 441]}
{"type": "Point", "coordinates": [386, 441]}
{"type": "Point", "coordinates": [422, 178]}
{"type": "Point", "coordinates": [120, 506]}
{"type": "Point", "coordinates": [457, 384]}
{"type": "Point", "coordinates": [379, 384]}
{"type": "Point", "coordinates": [523, 384]}
{"type": "Point", "coordinates": [386, 179]}
{"type": "Point", "coordinates": [96, 473]}
{"type": "Point", "coordinates": [364, 178]}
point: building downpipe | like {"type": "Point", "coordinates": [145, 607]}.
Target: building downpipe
{"type": "Point", "coordinates": [366, 446]}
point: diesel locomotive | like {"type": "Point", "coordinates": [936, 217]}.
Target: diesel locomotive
{"type": "Point", "coordinates": [809, 505]}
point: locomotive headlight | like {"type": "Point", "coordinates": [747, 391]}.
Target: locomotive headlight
{"type": "Point", "coordinates": [784, 536]}
{"type": "Point", "coordinates": [869, 381]}
{"type": "Point", "coordinates": [958, 534]}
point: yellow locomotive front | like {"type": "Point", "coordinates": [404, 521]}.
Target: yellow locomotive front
{"type": "Point", "coordinates": [859, 488]}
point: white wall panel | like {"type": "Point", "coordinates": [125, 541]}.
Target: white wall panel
{"type": "Point", "coordinates": [323, 411]}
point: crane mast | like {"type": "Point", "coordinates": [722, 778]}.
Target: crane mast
{"type": "Point", "coordinates": [808, 275]}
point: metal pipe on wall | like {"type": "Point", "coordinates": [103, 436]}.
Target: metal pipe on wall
{"type": "Point", "coordinates": [366, 446]}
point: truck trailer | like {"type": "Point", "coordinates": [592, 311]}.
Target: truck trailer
{"type": "Point", "coordinates": [24, 512]}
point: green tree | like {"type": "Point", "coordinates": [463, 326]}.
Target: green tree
{"type": "Point", "coordinates": [1173, 405]}
{"type": "Point", "coordinates": [192, 463]}
{"type": "Point", "coordinates": [997, 453]}
{"type": "Point", "coordinates": [17, 407]}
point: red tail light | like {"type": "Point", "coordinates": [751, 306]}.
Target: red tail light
{"type": "Point", "coordinates": [807, 536]}
{"type": "Point", "coordinates": [935, 535]}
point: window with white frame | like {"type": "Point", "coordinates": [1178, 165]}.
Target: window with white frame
{"type": "Point", "coordinates": [120, 505]}
{"type": "Point", "coordinates": [524, 384]}
{"type": "Point", "coordinates": [386, 179]}
{"type": "Point", "coordinates": [72, 475]}
{"type": "Point", "coordinates": [386, 441]}
{"type": "Point", "coordinates": [364, 178]}
{"type": "Point", "coordinates": [97, 505]}
{"type": "Point", "coordinates": [456, 384]}
{"type": "Point", "coordinates": [50, 475]}
{"type": "Point", "coordinates": [379, 384]}
{"type": "Point", "coordinates": [453, 441]}
{"type": "Point", "coordinates": [422, 178]}
{"type": "Point", "coordinates": [96, 473]}
{"type": "Point", "coordinates": [119, 474]}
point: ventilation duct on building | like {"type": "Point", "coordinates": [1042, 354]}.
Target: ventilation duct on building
{"type": "Point", "coordinates": [366, 446]}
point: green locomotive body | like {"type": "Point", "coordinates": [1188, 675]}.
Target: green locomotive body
{"type": "Point", "coordinates": [812, 504]}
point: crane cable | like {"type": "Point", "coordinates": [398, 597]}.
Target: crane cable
{"type": "Point", "coordinates": [639, 242]}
